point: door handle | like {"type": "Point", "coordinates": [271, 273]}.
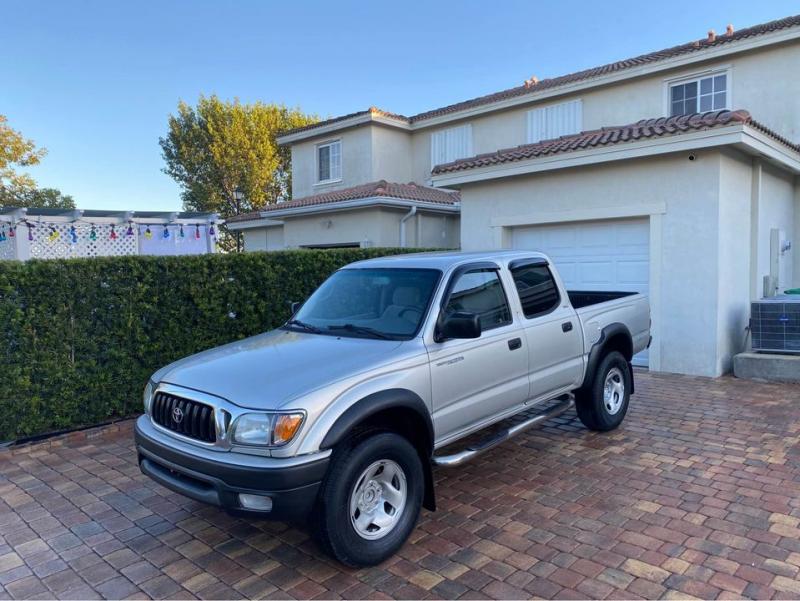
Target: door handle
{"type": "Point", "coordinates": [514, 344]}
{"type": "Point", "coordinates": [566, 326]}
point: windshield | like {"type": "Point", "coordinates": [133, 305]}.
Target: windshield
{"type": "Point", "coordinates": [369, 303]}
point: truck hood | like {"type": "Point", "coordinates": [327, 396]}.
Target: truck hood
{"type": "Point", "coordinates": [266, 371]}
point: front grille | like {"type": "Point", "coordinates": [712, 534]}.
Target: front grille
{"type": "Point", "coordinates": [196, 419]}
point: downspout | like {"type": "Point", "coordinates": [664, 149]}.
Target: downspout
{"type": "Point", "coordinates": [405, 218]}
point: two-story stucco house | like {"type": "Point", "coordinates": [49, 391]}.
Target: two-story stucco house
{"type": "Point", "coordinates": [674, 173]}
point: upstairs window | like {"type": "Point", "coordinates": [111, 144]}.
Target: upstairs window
{"type": "Point", "coordinates": [329, 162]}
{"type": "Point", "coordinates": [451, 144]}
{"type": "Point", "coordinates": [556, 120]}
{"type": "Point", "coordinates": [699, 95]}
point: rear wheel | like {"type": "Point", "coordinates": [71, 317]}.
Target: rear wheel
{"type": "Point", "coordinates": [604, 404]}
{"type": "Point", "coordinates": [370, 500]}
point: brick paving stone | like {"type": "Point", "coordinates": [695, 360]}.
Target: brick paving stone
{"type": "Point", "coordinates": [693, 496]}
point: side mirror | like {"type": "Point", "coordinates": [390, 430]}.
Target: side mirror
{"type": "Point", "coordinates": [295, 306]}
{"type": "Point", "coordinates": [459, 325]}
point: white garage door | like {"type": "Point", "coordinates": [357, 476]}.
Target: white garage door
{"type": "Point", "coordinates": [595, 255]}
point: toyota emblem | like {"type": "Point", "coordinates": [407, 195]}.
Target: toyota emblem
{"type": "Point", "coordinates": [177, 415]}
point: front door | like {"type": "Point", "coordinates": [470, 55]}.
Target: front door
{"type": "Point", "coordinates": [475, 380]}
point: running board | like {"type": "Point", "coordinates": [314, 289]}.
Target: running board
{"type": "Point", "coordinates": [482, 446]}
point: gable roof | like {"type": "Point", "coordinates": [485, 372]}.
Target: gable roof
{"type": "Point", "coordinates": [617, 134]}
{"type": "Point", "coordinates": [380, 189]}
{"type": "Point", "coordinates": [696, 46]}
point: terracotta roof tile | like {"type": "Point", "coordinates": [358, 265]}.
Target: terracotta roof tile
{"type": "Point", "coordinates": [606, 136]}
{"type": "Point", "coordinates": [554, 82]}
{"type": "Point", "coordinates": [379, 189]}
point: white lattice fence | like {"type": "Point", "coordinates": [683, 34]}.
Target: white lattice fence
{"type": "Point", "coordinates": [56, 240]}
{"type": "Point", "coordinates": [8, 248]}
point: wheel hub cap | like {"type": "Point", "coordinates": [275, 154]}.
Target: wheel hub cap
{"type": "Point", "coordinates": [613, 390]}
{"type": "Point", "coordinates": [378, 499]}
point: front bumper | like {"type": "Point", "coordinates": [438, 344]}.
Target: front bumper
{"type": "Point", "coordinates": [218, 477]}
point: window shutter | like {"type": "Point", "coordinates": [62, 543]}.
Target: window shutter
{"type": "Point", "coordinates": [556, 120]}
{"type": "Point", "coordinates": [451, 144]}
{"type": "Point", "coordinates": [336, 160]}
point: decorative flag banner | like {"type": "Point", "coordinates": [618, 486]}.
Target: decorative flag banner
{"type": "Point", "coordinates": [73, 235]}
{"type": "Point", "coordinates": [30, 232]}
{"type": "Point", "coordinates": [197, 231]}
{"type": "Point", "coordinates": [53, 235]}
{"type": "Point", "coordinates": [3, 234]}
{"type": "Point", "coordinates": [182, 234]}
{"type": "Point", "coordinates": [93, 234]}
{"type": "Point", "coordinates": [130, 229]}
{"type": "Point", "coordinates": [211, 231]}
{"type": "Point", "coordinates": [113, 234]}
{"type": "Point", "coordinates": [166, 233]}
{"type": "Point", "coordinates": [12, 231]}
{"type": "Point", "coordinates": [147, 233]}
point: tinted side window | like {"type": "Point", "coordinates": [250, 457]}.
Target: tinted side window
{"type": "Point", "coordinates": [537, 289]}
{"type": "Point", "coordinates": [480, 291]}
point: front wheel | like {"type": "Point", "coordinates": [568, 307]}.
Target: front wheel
{"type": "Point", "coordinates": [604, 404]}
{"type": "Point", "coordinates": [370, 500]}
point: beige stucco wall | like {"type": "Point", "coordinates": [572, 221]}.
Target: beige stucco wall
{"type": "Point", "coordinates": [376, 227]}
{"type": "Point", "coordinates": [734, 255]}
{"type": "Point", "coordinates": [776, 211]}
{"type": "Point", "coordinates": [264, 238]}
{"type": "Point", "coordinates": [391, 155]}
{"type": "Point", "coordinates": [685, 303]}
{"type": "Point", "coordinates": [356, 162]}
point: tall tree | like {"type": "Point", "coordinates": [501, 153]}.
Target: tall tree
{"type": "Point", "coordinates": [220, 147]}
{"type": "Point", "coordinates": [16, 151]}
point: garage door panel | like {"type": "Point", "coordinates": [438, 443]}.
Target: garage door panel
{"type": "Point", "coordinates": [596, 272]}
{"type": "Point", "coordinates": [601, 255]}
{"type": "Point", "coordinates": [635, 273]}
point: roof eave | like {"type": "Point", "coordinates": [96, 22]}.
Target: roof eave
{"type": "Point", "coordinates": [275, 216]}
{"type": "Point", "coordinates": [740, 135]}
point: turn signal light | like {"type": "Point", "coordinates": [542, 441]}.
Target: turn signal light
{"type": "Point", "coordinates": [286, 426]}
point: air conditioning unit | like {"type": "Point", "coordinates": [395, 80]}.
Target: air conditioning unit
{"type": "Point", "coordinates": [775, 324]}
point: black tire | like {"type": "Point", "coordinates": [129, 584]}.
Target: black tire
{"type": "Point", "coordinates": [590, 404]}
{"type": "Point", "coordinates": [332, 525]}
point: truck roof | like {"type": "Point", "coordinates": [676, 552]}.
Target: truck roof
{"type": "Point", "coordinates": [444, 260]}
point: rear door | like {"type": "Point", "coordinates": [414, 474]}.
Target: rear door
{"type": "Point", "coordinates": [551, 327]}
{"type": "Point", "coordinates": [475, 380]}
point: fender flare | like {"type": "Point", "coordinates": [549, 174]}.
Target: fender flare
{"type": "Point", "coordinates": [373, 404]}
{"type": "Point", "coordinates": [598, 350]}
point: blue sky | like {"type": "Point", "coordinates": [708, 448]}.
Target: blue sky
{"type": "Point", "coordinates": [94, 81]}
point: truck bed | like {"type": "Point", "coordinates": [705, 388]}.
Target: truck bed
{"type": "Point", "coordinates": [585, 298]}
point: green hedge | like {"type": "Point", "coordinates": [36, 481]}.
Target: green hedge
{"type": "Point", "coordinates": [80, 337]}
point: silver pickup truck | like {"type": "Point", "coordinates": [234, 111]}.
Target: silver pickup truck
{"type": "Point", "coordinates": [339, 416]}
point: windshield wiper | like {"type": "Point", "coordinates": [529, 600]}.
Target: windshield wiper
{"type": "Point", "coordinates": [349, 327]}
{"type": "Point", "coordinates": [303, 326]}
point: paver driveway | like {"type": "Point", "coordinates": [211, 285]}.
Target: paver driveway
{"type": "Point", "coordinates": [696, 494]}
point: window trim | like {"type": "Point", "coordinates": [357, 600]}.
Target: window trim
{"type": "Point", "coordinates": [317, 147]}
{"type": "Point", "coordinates": [533, 262]}
{"type": "Point", "coordinates": [451, 282]}
{"type": "Point", "coordinates": [697, 76]}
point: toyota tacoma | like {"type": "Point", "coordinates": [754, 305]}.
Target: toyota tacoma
{"type": "Point", "coordinates": [339, 416]}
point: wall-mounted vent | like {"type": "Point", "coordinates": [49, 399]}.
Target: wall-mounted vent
{"type": "Point", "coordinates": [775, 324]}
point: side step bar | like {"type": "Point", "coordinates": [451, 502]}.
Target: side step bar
{"type": "Point", "coordinates": [482, 446]}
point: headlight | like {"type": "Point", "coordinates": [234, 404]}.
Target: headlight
{"type": "Point", "coordinates": [267, 429]}
{"type": "Point", "coordinates": [147, 395]}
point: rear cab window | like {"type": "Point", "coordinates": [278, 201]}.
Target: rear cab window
{"type": "Point", "coordinates": [536, 286]}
